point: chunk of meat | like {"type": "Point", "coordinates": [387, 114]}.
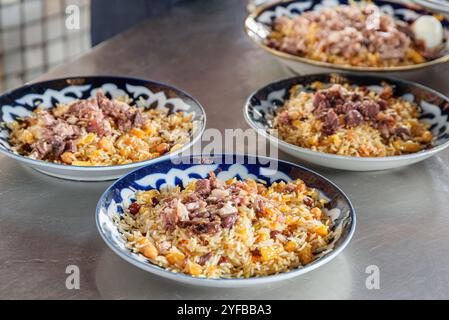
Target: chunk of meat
{"type": "Point", "coordinates": [219, 193]}
{"type": "Point", "coordinates": [58, 146]}
{"type": "Point", "coordinates": [46, 118]}
{"type": "Point", "coordinates": [346, 107]}
{"type": "Point", "coordinates": [169, 218]}
{"type": "Point", "coordinates": [353, 118]}
{"type": "Point", "coordinates": [308, 201]}
{"type": "Point", "coordinates": [202, 186]}
{"type": "Point", "coordinates": [228, 221]}
{"type": "Point", "coordinates": [402, 132]}
{"type": "Point", "coordinates": [138, 119]}
{"type": "Point", "coordinates": [330, 122]}
{"type": "Point", "coordinates": [95, 127]}
{"type": "Point", "coordinates": [369, 109]}
{"type": "Point", "coordinates": [227, 209]}
{"type": "Point", "coordinates": [64, 130]}
{"type": "Point", "coordinates": [181, 211]}
{"type": "Point", "coordinates": [42, 148]}
{"type": "Point", "coordinates": [71, 146]}
{"type": "Point", "coordinates": [383, 105]}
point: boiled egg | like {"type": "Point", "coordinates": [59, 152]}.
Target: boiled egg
{"type": "Point", "coordinates": [429, 30]}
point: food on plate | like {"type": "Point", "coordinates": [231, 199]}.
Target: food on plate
{"type": "Point", "coordinates": [99, 132]}
{"type": "Point", "coordinates": [351, 120]}
{"type": "Point", "coordinates": [360, 35]}
{"type": "Point", "coordinates": [228, 229]}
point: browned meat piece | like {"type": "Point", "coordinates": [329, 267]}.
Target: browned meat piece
{"type": "Point", "coordinates": [42, 148]}
{"type": "Point", "coordinates": [58, 146]}
{"type": "Point", "coordinates": [202, 187]}
{"type": "Point", "coordinates": [105, 104]}
{"type": "Point", "coordinates": [96, 127]}
{"type": "Point", "coordinates": [46, 117]}
{"type": "Point", "coordinates": [353, 118]}
{"type": "Point", "coordinates": [71, 146]}
{"type": "Point", "coordinates": [383, 105]}
{"type": "Point", "coordinates": [199, 214]}
{"type": "Point", "coordinates": [64, 130]}
{"type": "Point", "coordinates": [402, 132]}
{"type": "Point", "coordinates": [346, 107]}
{"type": "Point", "coordinates": [330, 122]}
{"type": "Point", "coordinates": [120, 111]}
{"type": "Point", "coordinates": [134, 208]}
{"type": "Point", "coordinates": [385, 124]}
{"type": "Point", "coordinates": [124, 124]}
{"type": "Point", "coordinates": [228, 221]}
{"type": "Point", "coordinates": [46, 133]}
{"type": "Point", "coordinates": [319, 100]}
{"type": "Point", "coordinates": [334, 95]}
{"type": "Point", "coordinates": [138, 119]}
{"type": "Point", "coordinates": [369, 109]}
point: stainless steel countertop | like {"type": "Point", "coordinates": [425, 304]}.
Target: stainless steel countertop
{"type": "Point", "coordinates": [47, 224]}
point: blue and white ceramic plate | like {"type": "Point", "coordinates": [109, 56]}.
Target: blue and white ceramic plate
{"type": "Point", "coordinates": [262, 105]}
{"type": "Point", "coordinates": [22, 101]}
{"type": "Point", "coordinates": [437, 5]}
{"type": "Point", "coordinates": [166, 173]}
{"type": "Point", "coordinates": [258, 26]}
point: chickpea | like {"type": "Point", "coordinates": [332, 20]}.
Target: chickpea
{"type": "Point", "coordinates": [68, 157]}
{"type": "Point", "coordinates": [150, 251]}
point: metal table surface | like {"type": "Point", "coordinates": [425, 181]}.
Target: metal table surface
{"type": "Point", "coordinates": [47, 224]}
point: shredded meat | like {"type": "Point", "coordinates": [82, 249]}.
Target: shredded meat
{"type": "Point", "coordinates": [360, 35]}
{"type": "Point", "coordinates": [97, 115]}
{"type": "Point", "coordinates": [203, 187]}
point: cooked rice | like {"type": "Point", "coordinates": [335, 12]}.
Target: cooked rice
{"type": "Point", "coordinates": [359, 34]}
{"type": "Point", "coordinates": [278, 228]}
{"type": "Point", "coordinates": [298, 123]}
{"type": "Point", "coordinates": [159, 132]}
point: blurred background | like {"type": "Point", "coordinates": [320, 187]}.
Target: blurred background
{"type": "Point", "coordinates": [37, 35]}
{"type": "Point", "coordinates": [34, 37]}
